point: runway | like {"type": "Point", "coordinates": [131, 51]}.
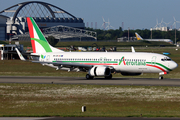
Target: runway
{"type": "Point", "coordinates": [98, 81]}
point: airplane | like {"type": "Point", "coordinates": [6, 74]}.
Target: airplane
{"type": "Point", "coordinates": [97, 63]}
{"type": "Point", "coordinates": [160, 40]}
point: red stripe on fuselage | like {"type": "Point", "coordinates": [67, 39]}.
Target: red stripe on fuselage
{"type": "Point", "coordinates": [31, 33]}
{"type": "Point", "coordinates": [156, 67]}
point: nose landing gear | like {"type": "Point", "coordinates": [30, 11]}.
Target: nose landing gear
{"type": "Point", "coordinates": [160, 77]}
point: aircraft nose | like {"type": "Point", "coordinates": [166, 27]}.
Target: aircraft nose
{"type": "Point", "coordinates": [173, 65]}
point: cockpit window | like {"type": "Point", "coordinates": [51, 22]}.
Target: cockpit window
{"type": "Point", "coordinates": [166, 59]}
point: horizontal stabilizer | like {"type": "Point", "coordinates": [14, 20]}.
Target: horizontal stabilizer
{"type": "Point", "coordinates": [20, 55]}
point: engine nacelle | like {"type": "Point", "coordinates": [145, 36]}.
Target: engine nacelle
{"type": "Point", "coordinates": [130, 74]}
{"type": "Point", "coordinates": [99, 71]}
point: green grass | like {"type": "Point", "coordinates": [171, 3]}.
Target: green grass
{"type": "Point", "coordinates": [100, 100]}
{"type": "Point", "coordinates": [102, 43]}
{"type": "Point", "coordinates": [111, 44]}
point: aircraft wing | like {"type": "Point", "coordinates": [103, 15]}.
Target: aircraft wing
{"type": "Point", "coordinates": [66, 64]}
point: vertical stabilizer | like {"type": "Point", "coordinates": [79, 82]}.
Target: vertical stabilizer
{"type": "Point", "coordinates": [138, 36]}
{"type": "Point", "coordinates": [38, 41]}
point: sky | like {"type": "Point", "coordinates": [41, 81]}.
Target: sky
{"type": "Point", "coordinates": [135, 14]}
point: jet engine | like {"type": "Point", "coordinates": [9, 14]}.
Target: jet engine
{"type": "Point", "coordinates": [99, 71]}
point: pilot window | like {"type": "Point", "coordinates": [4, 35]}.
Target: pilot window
{"type": "Point", "coordinates": [166, 59]}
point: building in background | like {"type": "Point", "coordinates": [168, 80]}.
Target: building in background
{"type": "Point", "coordinates": [13, 21]}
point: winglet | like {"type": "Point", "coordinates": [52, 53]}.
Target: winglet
{"type": "Point", "coordinates": [20, 55]}
{"type": "Point", "coordinates": [132, 48]}
{"type": "Point", "coordinates": [138, 36]}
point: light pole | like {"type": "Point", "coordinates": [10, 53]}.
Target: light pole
{"type": "Point", "coordinates": [128, 34]}
{"type": "Point", "coordinates": [151, 33]}
{"type": "Point", "coordinates": [175, 27]}
{"type": "Point", "coordinates": [175, 36]}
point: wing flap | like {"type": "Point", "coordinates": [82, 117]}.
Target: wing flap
{"type": "Point", "coordinates": [67, 64]}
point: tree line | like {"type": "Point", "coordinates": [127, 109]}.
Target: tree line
{"type": "Point", "coordinates": [145, 34]}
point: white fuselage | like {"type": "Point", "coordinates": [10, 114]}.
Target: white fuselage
{"type": "Point", "coordinates": [137, 62]}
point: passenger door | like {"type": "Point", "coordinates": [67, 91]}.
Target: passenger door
{"type": "Point", "coordinates": [48, 58]}
{"type": "Point", "coordinates": [153, 60]}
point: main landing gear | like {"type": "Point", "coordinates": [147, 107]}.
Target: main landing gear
{"type": "Point", "coordinates": [92, 77]}
{"type": "Point", "coordinates": [89, 77]}
{"type": "Point", "coordinates": [108, 77]}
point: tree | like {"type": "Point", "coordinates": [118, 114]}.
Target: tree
{"type": "Point", "coordinates": [52, 41]}
{"type": "Point", "coordinates": [146, 34]}
{"type": "Point", "coordinates": [108, 36]}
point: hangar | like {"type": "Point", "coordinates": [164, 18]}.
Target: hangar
{"type": "Point", "coordinates": [52, 20]}
{"type": "Point", "coordinates": [3, 27]}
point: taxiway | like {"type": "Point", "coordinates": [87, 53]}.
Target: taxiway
{"type": "Point", "coordinates": [99, 81]}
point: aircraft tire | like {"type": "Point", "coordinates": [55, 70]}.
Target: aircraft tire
{"type": "Point", "coordinates": [108, 77]}
{"type": "Point", "coordinates": [89, 77]}
{"type": "Point", "coordinates": [160, 77]}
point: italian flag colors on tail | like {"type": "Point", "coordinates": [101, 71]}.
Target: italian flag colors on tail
{"type": "Point", "coordinates": [38, 41]}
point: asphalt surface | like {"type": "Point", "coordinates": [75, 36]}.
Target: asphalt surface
{"type": "Point", "coordinates": [99, 81]}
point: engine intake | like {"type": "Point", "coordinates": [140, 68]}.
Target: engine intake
{"type": "Point", "coordinates": [99, 71]}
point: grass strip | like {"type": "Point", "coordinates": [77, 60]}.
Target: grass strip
{"type": "Point", "coordinates": [47, 100]}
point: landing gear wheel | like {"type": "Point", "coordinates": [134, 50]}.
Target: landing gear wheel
{"type": "Point", "coordinates": [160, 77]}
{"type": "Point", "coordinates": [89, 77]}
{"type": "Point", "coordinates": [108, 77]}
